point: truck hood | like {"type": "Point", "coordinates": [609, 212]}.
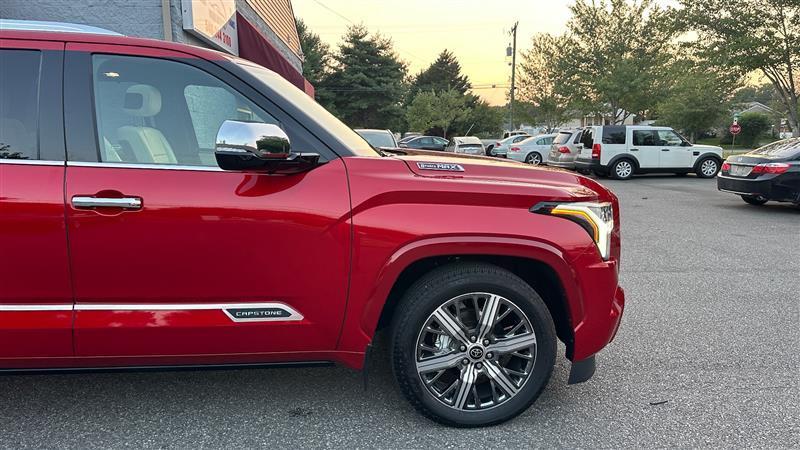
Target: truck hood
{"type": "Point", "coordinates": [498, 172]}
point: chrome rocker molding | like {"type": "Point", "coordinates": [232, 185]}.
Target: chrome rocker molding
{"type": "Point", "coordinates": [229, 309]}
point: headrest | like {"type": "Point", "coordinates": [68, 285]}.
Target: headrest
{"type": "Point", "coordinates": [142, 100]}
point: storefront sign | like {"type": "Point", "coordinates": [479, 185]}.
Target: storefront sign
{"type": "Point", "coordinates": [213, 21]}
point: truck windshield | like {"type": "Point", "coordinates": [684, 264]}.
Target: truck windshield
{"type": "Point", "coordinates": [290, 92]}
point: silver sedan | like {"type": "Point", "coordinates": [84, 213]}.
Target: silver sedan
{"type": "Point", "coordinates": [532, 150]}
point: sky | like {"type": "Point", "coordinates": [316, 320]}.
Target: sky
{"type": "Point", "coordinates": [476, 31]}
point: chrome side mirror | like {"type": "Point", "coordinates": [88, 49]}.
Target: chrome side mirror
{"type": "Point", "coordinates": [259, 147]}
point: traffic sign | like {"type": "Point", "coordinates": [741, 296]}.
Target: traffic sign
{"type": "Point", "coordinates": [735, 129]}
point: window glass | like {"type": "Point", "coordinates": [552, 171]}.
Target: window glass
{"type": "Point", "coordinates": [669, 138]}
{"type": "Point", "coordinates": [588, 138]}
{"type": "Point", "coordinates": [519, 139]}
{"type": "Point", "coordinates": [644, 138]}
{"type": "Point", "coordinates": [563, 137]}
{"type": "Point", "coordinates": [614, 135]}
{"type": "Point", "coordinates": [155, 111]}
{"type": "Point", "coordinates": [548, 140]}
{"type": "Point", "coordinates": [577, 137]}
{"type": "Point", "coordinates": [19, 104]}
{"type": "Point", "coordinates": [781, 149]}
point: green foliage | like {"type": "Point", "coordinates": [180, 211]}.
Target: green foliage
{"type": "Point", "coordinates": [316, 54]}
{"type": "Point", "coordinates": [367, 83]}
{"type": "Point", "coordinates": [753, 126]}
{"type": "Point", "coordinates": [618, 49]}
{"type": "Point", "coordinates": [437, 110]}
{"type": "Point", "coordinates": [483, 120]}
{"type": "Point", "coordinates": [697, 99]}
{"type": "Point", "coordinates": [443, 74]}
{"type": "Point", "coordinates": [545, 85]}
{"type": "Point", "coordinates": [750, 35]}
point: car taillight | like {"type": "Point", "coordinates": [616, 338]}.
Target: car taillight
{"type": "Point", "coordinates": [726, 167]}
{"type": "Point", "coordinates": [774, 168]}
{"type": "Point", "coordinates": [514, 149]}
{"type": "Point", "coordinates": [563, 149]}
{"type": "Point", "coordinates": [596, 150]}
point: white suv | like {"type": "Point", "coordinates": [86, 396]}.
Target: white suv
{"type": "Point", "coordinates": [620, 151]}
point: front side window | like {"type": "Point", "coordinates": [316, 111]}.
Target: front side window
{"type": "Point", "coordinates": [156, 111]}
{"type": "Point", "coordinates": [19, 104]}
{"type": "Point", "coordinates": [669, 138]}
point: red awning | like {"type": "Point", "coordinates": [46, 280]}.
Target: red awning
{"type": "Point", "coordinates": [255, 47]}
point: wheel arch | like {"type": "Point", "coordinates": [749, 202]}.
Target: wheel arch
{"type": "Point", "coordinates": [706, 155]}
{"type": "Point", "coordinates": [538, 264]}
{"type": "Point", "coordinates": [626, 156]}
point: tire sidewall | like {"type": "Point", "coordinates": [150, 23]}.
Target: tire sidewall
{"type": "Point", "coordinates": [699, 171]}
{"type": "Point", "coordinates": [537, 313]}
{"type": "Point", "coordinates": [613, 171]}
{"type": "Point", "coordinates": [529, 158]}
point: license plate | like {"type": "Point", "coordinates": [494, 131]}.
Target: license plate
{"type": "Point", "coordinates": [740, 171]}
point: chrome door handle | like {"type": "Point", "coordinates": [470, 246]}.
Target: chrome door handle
{"type": "Point", "coordinates": [664, 149]}
{"type": "Point", "coordinates": [99, 202]}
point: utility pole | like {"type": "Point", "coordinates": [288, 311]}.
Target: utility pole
{"type": "Point", "coordinates": [513, 72]}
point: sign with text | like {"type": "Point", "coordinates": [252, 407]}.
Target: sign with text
{"type": "Point", "coordinates": [735, 129]}
{"type": "Point", "coordinates": [213, 21]}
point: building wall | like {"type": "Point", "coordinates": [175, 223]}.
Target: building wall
{"type": "Point", "coordinates": [140, 18]}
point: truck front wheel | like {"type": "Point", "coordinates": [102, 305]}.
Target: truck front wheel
{"type": "Point", "coordinates": [472, 345]}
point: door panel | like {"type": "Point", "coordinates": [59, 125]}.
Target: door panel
{"type": "Point", "coordinates": [156, 281]}
{"type": "Point", "coordinates": [646, 148]}
{"type": "Point", "coordinates": [673, 154]}
{"type": "Point", "coordinates": [195, 260]}
{"type": "Point", "coordinates": [35, 291]}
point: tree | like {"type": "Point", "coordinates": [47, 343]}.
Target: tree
{"type": "Point", "coordinates": [620, 48]}
{"type": "Point", "coordinates": [442, 75]}
{"type": "Point", "coordinates": [316, 54]}
{"type": "Point", "coordinates": [483, 119]}
{"type": "Point", "coordinates": [753, 126]}
{"type": "Point", "coordinates": [431, 110]}
{"type": "Point", "coordinates": [367, 81]}
{"type": "Point", "coordinates": [748, 36]}
{"type": "Point", "coordinates": [545, 80]}
{"type": "Point", "coordinates": [697, 100]}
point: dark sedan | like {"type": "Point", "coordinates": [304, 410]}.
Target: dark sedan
{"type": "Point", "coordinates": [425, 143]}
{"type": "Point", "coordinates": [770, 173]}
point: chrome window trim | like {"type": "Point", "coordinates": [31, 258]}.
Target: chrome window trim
{"type": "Point", "coordinates": [32, 162]}
{"type": "Point", "coordinates": [145, 166]}
{"type": "Point", "coordinates": [54, 307]}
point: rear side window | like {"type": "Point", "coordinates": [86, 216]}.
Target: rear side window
{"type": "Point", "coordinates": [613, 135]}
{"type": "Point", "coordinates": [645, 138]}
{"type": "Point", "coordinates": [562, 138]}
{"type": "Point", "coordinates": [19, 104]}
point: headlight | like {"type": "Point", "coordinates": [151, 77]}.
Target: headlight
{"type": "Point", "coordinates": [596, 218]}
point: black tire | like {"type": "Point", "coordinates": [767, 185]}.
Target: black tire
{"type": "Point", "coordinates": [704, 170]}
{"type": "Point", "coordinates": [437, 288]}
{"type": "Point", "coordinates": [533, 158]}
{"type": "Point", "coordinates": [757, 201]}
{"type": "Point", "coordinates": [623, 169]}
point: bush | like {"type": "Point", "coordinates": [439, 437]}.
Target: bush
{"type": "Point", "coordinates": [754, 125]}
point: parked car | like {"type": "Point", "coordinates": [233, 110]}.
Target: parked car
{"type": "Point", "coordinates": [507, 134]}
{"type": "Point", "coordinates": [169, 205]}
{"type": "Point", "coordinates": [469, 145]}
{"type": "Point", "coordinates": [500, 148]}
{"type": "Point", "coordinates": [425, 143]}
{"type": "Point", "coordinates": [531, 150]}
{"type": "Point", "coordinates": [408, 137]}
{"type": "Point", "coordinates": [378, 138]}
{"type": "Point", "coordinates": [565, 148]}
{"type": "Point", "coordinates": [621, 151]}
{"type": "Point", "coordinates": [770, 173]}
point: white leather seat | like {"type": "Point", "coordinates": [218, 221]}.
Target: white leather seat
{"type": "Point", "coordinates": [147, 143]}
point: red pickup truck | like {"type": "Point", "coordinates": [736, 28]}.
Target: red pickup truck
{"type": "Point", "coordinates": [167, 205]}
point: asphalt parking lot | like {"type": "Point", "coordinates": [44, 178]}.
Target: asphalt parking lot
{"type": "Point", "coordinates": [707, 355]}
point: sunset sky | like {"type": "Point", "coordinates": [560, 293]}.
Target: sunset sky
{"type": "Point", "coordinates": [476, 31]}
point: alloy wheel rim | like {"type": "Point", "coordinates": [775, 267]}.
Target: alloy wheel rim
{"type": "Point", "coordinates": [475, 352]}
{"type": "Point", "coordinates": [709, 168]}
{"type": "Point", "coordinates": [534, 159]}
{"type": "Point", "coordinates": [624, 169]}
